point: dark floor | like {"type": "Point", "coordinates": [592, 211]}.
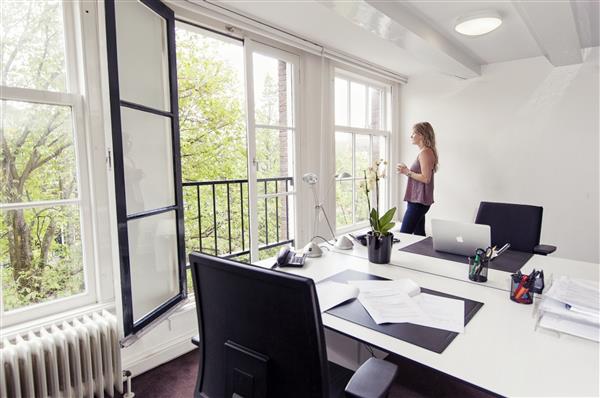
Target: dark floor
{"type": "Point", "coordinates": [177, 379]}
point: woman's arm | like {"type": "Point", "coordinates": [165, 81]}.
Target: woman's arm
{"type": "Point", "coordinates": [426, 160]}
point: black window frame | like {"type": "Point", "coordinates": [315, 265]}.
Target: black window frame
{"type": "Point", "coordinates": [131, 327]}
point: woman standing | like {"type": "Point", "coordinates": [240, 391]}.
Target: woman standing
{"type": "Point", "coordinates": [419, 188]}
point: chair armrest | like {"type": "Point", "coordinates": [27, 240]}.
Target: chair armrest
{"type": "Point", "coordinates": [544, 249]}
{"type": "Point", "coordinates": [196, 340]}
{"type": "Point", "coordinates": [372, 380]}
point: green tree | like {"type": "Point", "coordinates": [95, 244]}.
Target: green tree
{"type": "Point", "coordinates": [40, 250]}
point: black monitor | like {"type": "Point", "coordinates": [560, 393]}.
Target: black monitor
{"type": "Point", "coordinates": [261, 333]}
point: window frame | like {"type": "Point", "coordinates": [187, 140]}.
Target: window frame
{"type": "Point", "coordinates": [131, 327]}
{"type": "Point", "coordinates": [384, 131]}
{"type": "Point", "coordinates": [74, 97]}
{"type": "Point", "coordinates": [252, 47]}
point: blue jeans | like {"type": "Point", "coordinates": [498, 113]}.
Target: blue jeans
{"type": "Point", "coordinates": [414, 219]}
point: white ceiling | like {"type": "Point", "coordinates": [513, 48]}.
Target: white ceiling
{"type": "Point", "coordinates": [413, 36]}
{"type": "Point", "coordinates": [509, 42]}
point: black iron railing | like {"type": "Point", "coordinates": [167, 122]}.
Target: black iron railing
{"type": "Point", "coordinates": [222, 215]}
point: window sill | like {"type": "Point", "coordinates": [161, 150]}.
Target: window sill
{"type": "Point", "coordinates": [352, 228]}
{"type": "Point", "coordinates": [24, 327]}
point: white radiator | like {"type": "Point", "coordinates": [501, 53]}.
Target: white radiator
{"type": "Point", "coordinates": [80, 358]}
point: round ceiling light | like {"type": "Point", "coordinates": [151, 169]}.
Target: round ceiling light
{"type": "Point", "coordinates": [478, 24]}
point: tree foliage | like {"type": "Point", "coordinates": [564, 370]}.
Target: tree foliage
{"type": "Point", "coordinates": [40, 246]}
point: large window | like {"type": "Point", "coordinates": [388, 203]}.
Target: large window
{"type": "Point", "coordinates": [245, 108]}
{"type": "Point", "coordinates": [362, 131]}
{"type": "Point", "coordinates": [43, 192]}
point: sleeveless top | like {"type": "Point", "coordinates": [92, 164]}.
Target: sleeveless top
{"type": "Point", "coordinates": [417, 191]}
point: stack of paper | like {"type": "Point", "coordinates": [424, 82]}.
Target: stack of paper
{"type": "Point", "coordinates": [572, 306]}
{"type": "Point", "coordinates": [402, 301]}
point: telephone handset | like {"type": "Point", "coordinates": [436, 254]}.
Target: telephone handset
{"type": "Point", "coordinates": [288, 258]}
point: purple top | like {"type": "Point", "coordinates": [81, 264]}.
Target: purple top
{"type": "Point", "coordinates": [417, 191]}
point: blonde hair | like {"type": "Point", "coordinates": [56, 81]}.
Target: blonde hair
{"type": "Point", "coordinates": [426, 131]}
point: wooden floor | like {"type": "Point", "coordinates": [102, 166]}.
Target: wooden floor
{"type": "Point", "coordinates": [177, 379]}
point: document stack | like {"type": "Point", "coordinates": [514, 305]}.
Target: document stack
{"type": "Point", "coordinates": [572, 306]}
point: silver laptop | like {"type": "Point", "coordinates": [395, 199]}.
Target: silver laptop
{"type": "Point", "coordinates": [459, 237]}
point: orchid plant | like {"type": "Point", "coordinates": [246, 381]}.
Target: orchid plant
{"type": "Point", "coordinates": [380, 226]}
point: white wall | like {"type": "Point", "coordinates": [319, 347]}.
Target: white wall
{"type": "Point", "coordinates": [524, 132]}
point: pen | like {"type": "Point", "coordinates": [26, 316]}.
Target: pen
{"type": "Point", "coordinates": [521, 289]}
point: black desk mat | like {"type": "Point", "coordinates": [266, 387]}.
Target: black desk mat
{"type": "Point", "coordinates": [510, 261]}
{"type": "Point", "coordinates": [432, 339]}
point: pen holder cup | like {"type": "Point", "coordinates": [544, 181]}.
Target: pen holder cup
{"type": "Point", "coordinates": [478, 270]}
{"type": "Point", "coordinates": [520, 294]}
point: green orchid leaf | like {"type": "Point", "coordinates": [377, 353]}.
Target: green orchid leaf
{"type": "Point", "coordinates": [386, 228]}
{"type": "Point", "coordinates": [387, 217]}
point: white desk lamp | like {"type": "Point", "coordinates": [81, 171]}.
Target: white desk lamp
{"type": "Point", "coordinates": [312, 248]}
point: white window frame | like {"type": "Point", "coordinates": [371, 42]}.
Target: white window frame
{"type": "Point", "coordinates": [251, 47]}
{"type": "Point", "coordinates": [75, 99]}
{"type": "Point", "coordinates": [385, 132]}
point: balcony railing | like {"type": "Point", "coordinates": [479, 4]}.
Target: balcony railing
{"type": "Point", "coordinates": [217, 219]}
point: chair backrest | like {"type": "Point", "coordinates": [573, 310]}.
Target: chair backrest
{"type": "Point", "coordinates": [261, 333]}
{"type": "Point", "coordinates": [519, 225]}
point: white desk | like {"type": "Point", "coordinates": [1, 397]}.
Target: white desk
{"type": "Point", "coordinates": [499, 350]}
{"type": "Point", "coordinates": [496, 279]}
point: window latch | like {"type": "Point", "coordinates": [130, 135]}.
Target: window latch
{"type": "Point", "coordinates": [109, 159]}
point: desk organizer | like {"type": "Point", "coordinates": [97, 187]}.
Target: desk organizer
{"type": "Point", "coordinates": [478, 270]}
{"type": "Point", "coordinates": [519, 293]}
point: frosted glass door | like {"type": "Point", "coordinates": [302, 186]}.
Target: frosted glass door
{"type": "Point", "coordinates": [141, 43]}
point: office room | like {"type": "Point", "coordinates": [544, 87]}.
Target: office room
{"type": "Point", "coordinates": [314, 198]}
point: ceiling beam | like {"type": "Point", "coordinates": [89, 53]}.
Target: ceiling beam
{"type": "Point", "coordinates": [422, 40]}
{"type": "Point", "coordinates": [553, 27]}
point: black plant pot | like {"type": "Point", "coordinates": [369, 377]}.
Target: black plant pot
{"type": "Point", "coordinates": [380, 248]}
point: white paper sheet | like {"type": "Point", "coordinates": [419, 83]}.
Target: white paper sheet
{"type": "Point", "coordinates": [332, 294]}
{"type": "Point", "coordinates": [400, 301]}
{"type": "Point", "coordinates": [561, 324]}
{"type": "Point", "coordinates": [582, 295]}
{"type": "Point", "coordinates": [407, 286]}
{"type": "Point", "coordinates": [559, 308]}
{"type": "Point", "coordinates": [390, 306]}
{"type": "Point", "coordinates": [441, 312]}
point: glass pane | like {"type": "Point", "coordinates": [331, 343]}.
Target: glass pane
{"type": "Point", "coordinates": [41, 255]}
{"type": "Point", "coordinates": [380, 152]}
{"type": "Point", "coordinates": [343, 203]}
{"type": "Point", "coordinates": [274, 153]}
{"type": "Point", "coordinates": [189, 281]}
{"type": "Point", "coordinates": [275, 219]}
{"type": "Point", "coordinates": [376, 109]}
{"type": "Point", "coordinates": [341, 102]}
{"type": "Point", "coordinates": [264, 254]}
{"type": "Point", "coordinates": [153, 262]}
{"type": "Point", "coordinates": [142, 55]}
{"type": "Point", "coordinates": [38, 154]}
{"type": "Point", "coordinates": [273, 99]}
{"type": "Point", "coordinates": [212, 120]}
{"type": "Point", "coordinates": [147, 160]}
{"type": "Point", "coordinates": [361, 209]}
{"type": "Point", "coordinates": [358, 102]}
{"type": "Point", "coordinates": [33, 47]}
{"type": "Point", "coordinates": [362, 154]}
{"type": "Point", "coordinates": [343, 155]}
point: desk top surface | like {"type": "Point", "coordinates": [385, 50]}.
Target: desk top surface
{"type": "Point", "coordinates": [500, 349]}
{"type": "Point", "coordinates": [496, 279]}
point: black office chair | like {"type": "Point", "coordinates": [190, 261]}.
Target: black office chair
{"type": "Point", "coordinates": [261, 336]}
{"type": "Point", "coordinates": [519, 225]}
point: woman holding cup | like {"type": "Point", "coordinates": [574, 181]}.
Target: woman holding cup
{"type": "Point", "coordinates": [419, 188]}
